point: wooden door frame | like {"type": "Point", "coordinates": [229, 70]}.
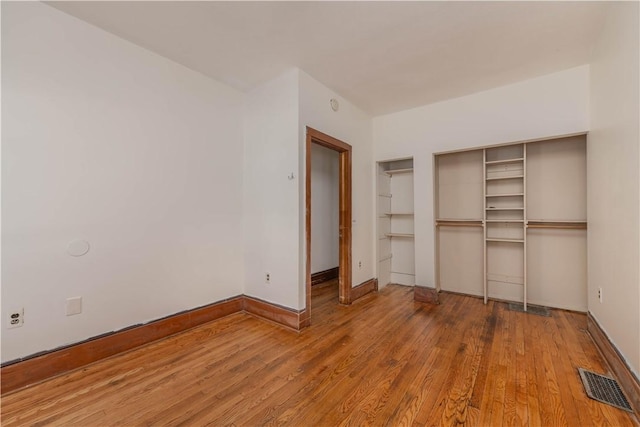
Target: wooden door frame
{"type": "Point", "coordinates": [344, 153]}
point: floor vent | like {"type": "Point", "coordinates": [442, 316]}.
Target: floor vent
{"type": "Point", "coordinates": [533, 309]}
{"type": "Point", "coordinates": [604, 389]}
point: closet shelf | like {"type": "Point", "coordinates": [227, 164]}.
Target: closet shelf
{"type": "Point", "coordinates": [501, 162]}
{"type": "Point", "coordinates": [496, 178]}
{"type": "Point", "coordinates": [505, 195]}
{"type": "Point", "coordinates": [399, 235]}
{"type": "Point", "coordinates": [505, 240]}
{"type": "Point", "coordinates": [459, 223]}
{"type": "Point", "coordinates": [557, 221]}
{"type": "Point", "coordinates": [504, 209]}
{"type": "Point", "coordinates": [398, 213]}
{"type": "Point", "coordinates": [506, 220]}
{"type": "Point", "coordinates": [567, 225]}
{"type": "Point", "coordinates": [395, 171]}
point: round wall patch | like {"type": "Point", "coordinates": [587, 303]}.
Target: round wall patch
{"type": "Point", "coordinates": [78, 247]}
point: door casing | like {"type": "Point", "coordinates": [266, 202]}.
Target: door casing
{"type": "Point", "coordinates": [344, 275]}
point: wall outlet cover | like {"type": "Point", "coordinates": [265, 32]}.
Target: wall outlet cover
{"type": "Point", "coordinates": [16, 318]}
{"type": "Point", "coordinates": [74, 306]}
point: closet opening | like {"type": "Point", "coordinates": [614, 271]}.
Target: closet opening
{"type": "Point", "coordinates": [515, 216]}
{"type": "Point", "coordinates": [395, 206]}
{"type": "Point", "coordinates": [317, 141]}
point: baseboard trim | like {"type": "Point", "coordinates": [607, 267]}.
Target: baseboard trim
{"type": "Point", "coordinates": [39, 367]}
{"type": "Point", "coordinates": [283, 316]}
{"type": "Point", "coordinates": [364, 288]}
{"type": "Point", "coordinates": [304, 318]}
{"type": "Point", "coordinates": [628, 381]}
{"type": "Point", "coordinates": [324, 276]}
{"type": "Point", "coordinates": [424, 294]}
{"type": "Point", "coordinates": [46, 365]}
{"type": "Point", "coordinates": [42, 366]}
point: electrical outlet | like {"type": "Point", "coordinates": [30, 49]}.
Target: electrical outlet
{"type": "Point", "coordinates": [16, 318]}
{"type": "Point", "coordinates": [600, 295]}
{"type": "Point", "coordinates": [74, 306]}
{"type": "Point", "coordinates": [267, 277]}
{"type": "Point", "coordinates": [359, 264]}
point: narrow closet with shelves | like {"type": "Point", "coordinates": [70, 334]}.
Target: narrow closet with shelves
{"type": "Point", "coordinates": [504, 219]}
{"type": "Point", "coordinates": [396, 252]}
{"type": "Point", "coordinates": [511, 222]}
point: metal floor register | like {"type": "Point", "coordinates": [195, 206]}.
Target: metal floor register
{"type": "Point", "coordinates": [604, 389]}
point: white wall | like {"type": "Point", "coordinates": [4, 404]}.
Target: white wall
{"type": "Point", "coordinates": [554, 104]}
{"type": "Point", "coordinates": [324, 208]}
{"type": "Point", "coordinates": [276, 116]}
{"type": "Point", "coordinates": [270, 196]}
{"type": "Point", "coordinates": [107, 142]}
{"type": "Point", "coordinates": [613, 182]}
{"type": "Point", "coordinates": [353, 126]}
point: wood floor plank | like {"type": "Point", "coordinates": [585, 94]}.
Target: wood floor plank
{"type": "Point", "coordinates": [374, 359]}
{"type": "Point", "coordinates": [551, 403]}
{"type": "Point", "coordinates": [510, 415]}
{"type": "Point", "coordinates": [521, 395]}
{"type": "Point", "coordinates": [384, 360]}
{"type": "Point", "coordinates": [450, 341]}
{"type": "Point", "coordinates": [493, 391]}
{"type": "Point", "coordinates": [408, 408]}
{"type": "Point", "coordinates": [487, 342]}
{"type": "Point", "coordinates": [400, 364]}
{"type": "Point", "coordinates": [309, 392]}
{"type": "Point", "coordinates": [529, 368]}
{"type": "Point", "coordinates": [416, 365]}
{"type": "Point", "coordinates": [456, 411]}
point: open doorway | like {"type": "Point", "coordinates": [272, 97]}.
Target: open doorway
{"type": "Point", "coordinates": [325, 216]}
{"type": "Point", "coordinates": [343, 149]}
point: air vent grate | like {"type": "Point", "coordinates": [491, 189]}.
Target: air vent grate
{"type": "Point", "coordinates": [604, 389]}
{"type": "Point", "coordinates": [533, 309]}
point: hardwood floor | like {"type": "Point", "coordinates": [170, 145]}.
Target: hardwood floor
{"type": "Point", "coordinates": [385, 360]}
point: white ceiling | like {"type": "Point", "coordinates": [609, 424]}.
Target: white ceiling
{"type": "Point", "coordinates": [382, 56]}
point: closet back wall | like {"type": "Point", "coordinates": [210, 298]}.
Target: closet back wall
{"type": "Point", "coordinates": [324, 209]}
{"type": "Point", "coordinates": [555, 104]}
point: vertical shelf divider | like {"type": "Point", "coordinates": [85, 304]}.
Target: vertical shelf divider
{"type": "Point", "coordinates": [484, 225]}
{"type": "Point", "coordinates": [504, 170]}
{"type": "Point", "coordinates": [524, 225]}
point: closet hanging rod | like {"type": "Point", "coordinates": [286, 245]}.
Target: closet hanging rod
{"type": "Point", "coordinates": [459, 223]}
{"type": "Point", "coordinates": [568, 225]}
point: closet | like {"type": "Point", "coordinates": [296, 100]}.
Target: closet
{"type": "Point", "coordinates": [504, 219]}
{"type": "Point", "coordinates": [511, 222]}
{"type": "Point", "coordinates": [396, 249]}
